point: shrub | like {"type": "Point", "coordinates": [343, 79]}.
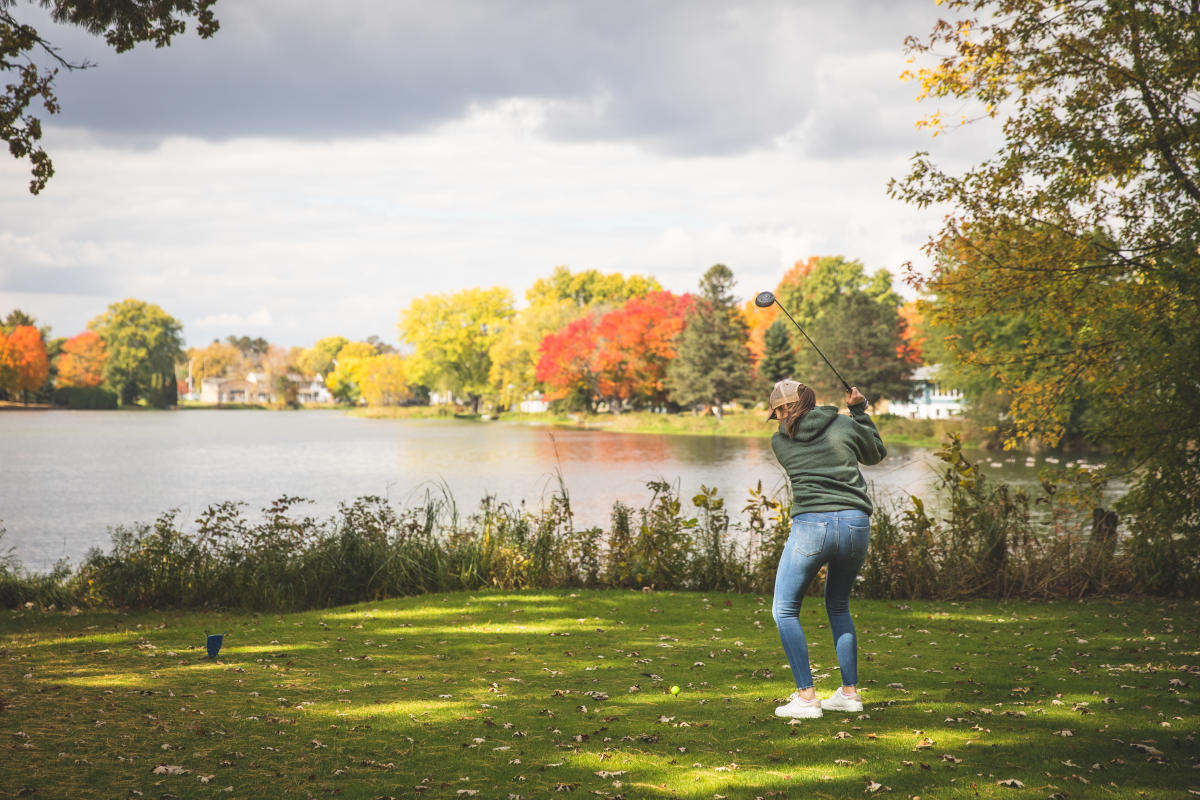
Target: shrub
{"type": "Point", "coordinates": [84, 397]}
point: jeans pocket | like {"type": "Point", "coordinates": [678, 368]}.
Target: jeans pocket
{"type": "Point", "coordinates": [809, 537]}
{"type": "Point", "coordinates": [860, 540]}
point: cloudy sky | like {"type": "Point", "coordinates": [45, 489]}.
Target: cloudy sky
{"type": "Point", "coordinates": [316, 166]}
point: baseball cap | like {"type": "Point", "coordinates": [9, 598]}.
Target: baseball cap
{"type": "Point", "coordinates": [786, 391]}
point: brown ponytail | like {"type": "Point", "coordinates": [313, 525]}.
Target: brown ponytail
{"type": "Point", "coordinates": [791, 414]}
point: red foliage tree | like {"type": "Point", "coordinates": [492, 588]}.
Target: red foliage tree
{"type": "Point", "coordinates": [566, 362]}
{"type": "Point", "coordinates": [82, 360]}
{"type": "Point", "coordinates": [620, 358]}
{"type": "Point", "coordinates": [636, 341]}
{"type": "Point", "coordinates": [26, 360]}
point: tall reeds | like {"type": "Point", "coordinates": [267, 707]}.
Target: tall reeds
{"type": "Point", "coordinates": [985, 539]}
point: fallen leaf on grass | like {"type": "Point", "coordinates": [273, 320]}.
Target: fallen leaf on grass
{"type": "Point", "coordinates": [1064, 732]}
{"type": "Point", "coordinates": [169, 769]}
{"type": "Point", "coordinates": [1011, 783]}
{"type": "Point", "coordinates": [872, 787]}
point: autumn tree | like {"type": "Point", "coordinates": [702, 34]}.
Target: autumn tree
{"type": "Point", "coordinates": [713, 361]}
{"type": "Point", "coordinates": [216, 360]}
{"type": "Point", "coordinates": [1085, 225]}
{"type": "Point", "coordinates": [346, 380]}
{"type": "Point", "coordinates": [452, 337]}
{"type": "Point", "coordinates": [82, 361]}
{"type": "Point", "coordinates": [567, 365]}
{"type": "Point", "coordinates": [636, 343]}
{"type": "Point", "coordinates": [384, 382]}
{"type": "Point", "coordinates": [553, 302]}
{"type": "Point", "coordinates": [854, 318]}
{"type": "Point", "coordinates": [864, 340]}
{"type": "Point", "coordinates": [590, 288]}
{"type": "Point", "coordinates": [24, 366]}
{"type": "Point", "coordinates": [515, 354]}
{"type": "Point", "coordinates": [318, 359]}
{"type": "Point", "coordinates": [123, 25]}
{"type": "Point", "coordinates": [143, 344]}
{"type": "Point", "coordinates": [619, 357]}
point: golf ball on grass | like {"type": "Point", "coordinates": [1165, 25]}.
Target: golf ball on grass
{"type": "Point", "coordinates": [674, 690]}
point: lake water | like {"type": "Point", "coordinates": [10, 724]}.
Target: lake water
{"type": "Point", "coordinates": [66, 477]}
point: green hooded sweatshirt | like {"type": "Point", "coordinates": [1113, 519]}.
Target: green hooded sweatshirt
{"type": "Point", "coordinates": [822, 461]}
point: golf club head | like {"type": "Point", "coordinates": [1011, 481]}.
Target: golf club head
{"type": "Point", "coordinates": [764, 299]}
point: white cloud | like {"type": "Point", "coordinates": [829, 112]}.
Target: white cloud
{"type": "Point", "coordinates": [335, 234]}
{"type": "Point", "coordinates": [255, 319]}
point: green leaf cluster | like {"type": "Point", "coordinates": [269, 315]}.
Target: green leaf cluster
{"type": "Point", "coordinates": [144, 343]}
{"type": "Point", "coordinates": [1079, 236]}
{"type": "Point", "coordinates": [713, 362]}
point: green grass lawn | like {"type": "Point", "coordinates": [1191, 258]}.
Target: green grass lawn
{"type": "Point", "coordinates": [507, 694]}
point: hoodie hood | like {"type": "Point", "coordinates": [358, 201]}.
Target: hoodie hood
{"type": "Point", "coordinates": [814, 423]}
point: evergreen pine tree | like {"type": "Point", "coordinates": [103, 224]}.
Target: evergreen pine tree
{"type": "Point", "coordinates": [778, 359]}
{"type": "Point", "coordinates": [712, 362]}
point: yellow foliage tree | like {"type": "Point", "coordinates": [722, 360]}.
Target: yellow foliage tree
{"type": "Point", "coordinates": [515, 354]}
{"type": "Point", "coordinates": [589, 288]}
{"type": "Point", "coordinates": [554, 302]}
{"type": "Point", "coordinates": [346, 380]}
{"type": "Point", "coordinates": [452, 337]}
{"type": "Point", "coordinates": [383, 380]}
{"type": "Point", "coordinates": [214, 361]}
{"type": "Point", "coordinates": [318, 359]}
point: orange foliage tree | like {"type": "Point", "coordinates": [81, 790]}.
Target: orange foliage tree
{"type": "Point", "coordinates": [759, 319]}
{"type": "Point", "coordinates": [566, 364]}
{"type": "Point", "coordinates": [619, 357]}
{"type": "Point", "coordinates": [25, 365]}
{"type": "Point", "coordinates": [82, 360]}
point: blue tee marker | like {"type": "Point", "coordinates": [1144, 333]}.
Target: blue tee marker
{"type": "Point", "coordinates": [214, 644]}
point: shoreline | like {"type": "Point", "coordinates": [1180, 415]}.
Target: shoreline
{"type": "Point", "coordinates": [924, 433]}
{"type": "Point", "coordinates": [741, 425]}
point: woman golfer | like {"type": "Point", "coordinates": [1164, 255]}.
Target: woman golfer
{"type": "Point", "coordinates": [820, 450]}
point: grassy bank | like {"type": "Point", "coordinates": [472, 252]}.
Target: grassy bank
{"type": "Point", "coordinates": [922, 433]}
{"type": "Point", "coordinates": [528, 694]}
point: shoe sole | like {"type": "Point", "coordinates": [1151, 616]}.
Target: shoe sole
{"type": "Point", "coordinates": [785, 715]}
{"type": "Point", "coordinates": [852, 707]}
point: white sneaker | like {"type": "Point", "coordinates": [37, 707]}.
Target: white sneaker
{"type": "Point", "coordinates": [842, 702]}
{"type": "Point", "coordinates": [798, 708]}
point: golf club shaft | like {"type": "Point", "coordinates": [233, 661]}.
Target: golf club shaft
{"type": "Point", "coordinates": [814, 344]}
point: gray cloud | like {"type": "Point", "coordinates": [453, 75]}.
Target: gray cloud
{"type": "Point", "coordinates": [678, 77]}
{"type": "Point", "coordinates": [71, 280]}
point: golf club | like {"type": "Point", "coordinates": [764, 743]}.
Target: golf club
{"type": "Point", "coordinates": [765, 299]}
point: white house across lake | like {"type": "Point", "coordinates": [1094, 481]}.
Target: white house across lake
{"type": "Point", "coordinates": [930, 400]}
{"type": "Point", "coordinates": [257, 387]}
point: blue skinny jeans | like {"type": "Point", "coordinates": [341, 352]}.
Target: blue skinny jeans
{"type": "Point", "coordinates": [836, 538]}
